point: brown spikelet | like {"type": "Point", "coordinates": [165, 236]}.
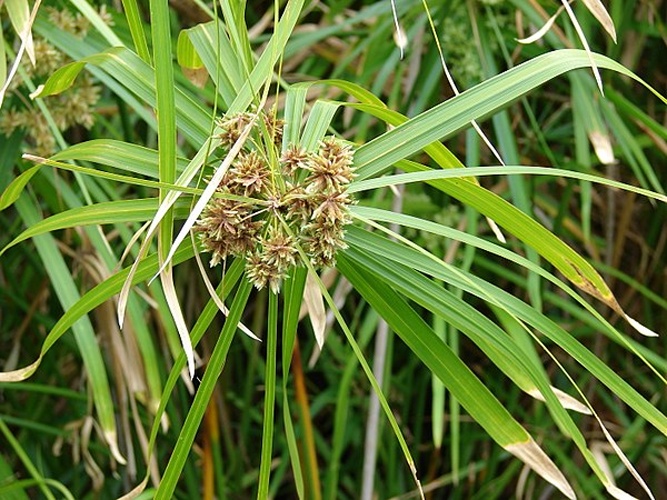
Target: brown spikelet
{"type": "Point", "coordinates": [300, 202]}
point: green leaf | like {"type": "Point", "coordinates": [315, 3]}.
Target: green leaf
{"type": "Point", "coordinates": [470, 283]}
{"type": "Point", "coordinates": [63, 78]}
{"type": "Point", "coordinates": [19, 15]}
{"type": "Point", "coordinates": [110, 212]}
{"type": "Point", "coordinates": [293, 294]}
{"type": "Point", "coordinates": [117, 154]}
{"type": "Point", "coordinates": [484, 99]}
{"type": "Point", "coordinates": [318, 123]}
{"type": "Point", "coordinates": [186, 55]}
{"type": "Point", "coordinates": [215, 366]}
{"type": "Point", "coordinates": [204, 321]}
{"type": "Point", "coordinates": [91, 299]}
{"type": "Point", "coordinates": [15, 188]}
{"type": "Point", "coordinates": [425, 175]}
{"type": "Point", "coordinates": [125, 67]}
{"type": "Point", "coordinates": [27, 463]}
{"type": "Point", "coordinates": [457, 377]}
{"type": "Point", "coordinates": [223, 64]}
{"type": "Point", "coordinates": [549, 246]}
{"type": "Point", "coordinates": [3, 64]}
{"type": "Point", "coordinates": [465, 318]}
{"type": "Point", "coordinates": [84, 333]}
{"type": "Point", "coordinates": [269, 398]}
{"type": "Point", "coordinates": [136, 25]}
{"type": "Point", "coordinates": [406, 280]}
{"type": "Point", "coordinates": [102, 26]}
{"type": "Point", "coordinates": [263, 70]}
{"type": "Point", "coordinates": [190, 62]}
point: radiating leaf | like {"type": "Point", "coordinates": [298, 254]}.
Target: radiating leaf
{"type": "Point", "coordinates": [91, 299]}
{"type": "Point", "coordinates": [111, 212]}
{"type": "Point", "coordinates": [567, 260]}
{"type": "Point", "coordinates": [443, 120]}
{"type": "Point", "coordinates": [84, 333]}
{"type": "Point", "coordinates": [474, 285]}
{"type": "Point", "coordinates": [456, 376]}
{"type": "Point", "coordinates": [263, 70]}
{"type": "Point", "coordinates": [128, 69]}
{"type": "Point", "coordinates": [121, 155]}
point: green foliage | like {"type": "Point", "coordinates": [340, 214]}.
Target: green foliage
{"type": "Point", "coordinates": [506, 303]}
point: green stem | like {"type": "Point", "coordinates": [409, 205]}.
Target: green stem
{"type": "Point", "coordinates": [269, 398]}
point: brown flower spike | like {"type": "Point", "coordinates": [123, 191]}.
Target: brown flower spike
{"type": "Point", "coordinates": [299, 201]}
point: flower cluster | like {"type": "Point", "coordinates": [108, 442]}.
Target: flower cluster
{"type": "Point", "coordinates": [270, 205]}
{"type": "Point", "coordinates": [75, 107]}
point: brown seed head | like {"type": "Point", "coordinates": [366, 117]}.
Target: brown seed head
{"type": "Point", "coordinates": [232, 128]}
{"type": "Point", "coordinates": [251, 173]}
{"type": "Point", "coordinates": [293, 159]}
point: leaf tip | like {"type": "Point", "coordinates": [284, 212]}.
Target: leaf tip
{"type": "Point", "coordinates": [33, 158]}
{"type": "Point", "coordinates": [640, 328]}
{"type": "Point", "coordinates": [37, 92]}
{"type": "Point", "coordinates": [496, 230]}
{"type": "Point", "coordinates": [532, 455]}
{"type": "Point", "coordinates": [112, 441]}
{"type": "Point", "coordinates": [567, 401]}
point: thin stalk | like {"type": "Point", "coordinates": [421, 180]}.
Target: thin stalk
{"type": "Point", "coordinates": [372, 423]}
{"type": "Point", "coordinates": [312, 486]}
{"type": "Point", "coordinates": [269, 398]}
{"type": "Point", "coordinates": [379, 360]}
{"type": "Point", "coordinates": [27, 463]}
{"type": "Point", "coordinates": [211, 440]}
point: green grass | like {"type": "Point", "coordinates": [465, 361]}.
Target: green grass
{"type": "Point", "coordinates": [511, 368]}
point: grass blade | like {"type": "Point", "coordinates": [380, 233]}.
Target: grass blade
{"type": "Point", "coordinates": [438, 357]}
{"type": "Point", "coordinates": [196, 414]}
{"type": "Point", "coordinates": [269, 398]}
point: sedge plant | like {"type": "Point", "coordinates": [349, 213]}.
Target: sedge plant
{"type": "Point", "coordinates": [278, 208]}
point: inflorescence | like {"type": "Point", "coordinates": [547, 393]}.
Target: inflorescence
{"type": "Point", "coordinates": [76, 107]}
{"type": "Point", "coordinates": [270, 205]}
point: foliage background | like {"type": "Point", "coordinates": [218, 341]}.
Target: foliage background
{"type": "Point", "coordinates": [51, 429]}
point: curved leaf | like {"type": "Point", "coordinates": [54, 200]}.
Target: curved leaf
{"type": "Point", "coordinates": [441, 360]}
{"type": "Point", "coordinates": [429, 175]}
{"type": "Point", "coordinates": [117, 154]}
{"type": "Point", "coordinates": [475, 286]}
{"type": "Point", "coordinates": [110, 212]}
{"type": "Point", "coordinates": [127, 68]}
{"type": "Point", "coordinates": [90, 300]}
{"type": "Point", "coordinates": [575, 268]}
{"type": "Point", "coordinates": [484, 99]}
{"type": "Point", "coordinates": [15, 188]}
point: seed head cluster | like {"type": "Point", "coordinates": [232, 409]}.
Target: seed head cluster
{"type": "Point", "coordinates": [76, 107]}
{"type": "Point", "coordinates": [268, 205]}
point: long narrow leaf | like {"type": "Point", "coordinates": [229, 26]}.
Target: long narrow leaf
{"type": "Point", "coordinates": [468, 389]}
{"type": "Point", "coordinates": [476, 103]}
{"type": "Point", "coordinates": [195, 415]}
{"type": "Point", "coordinates": [84, 333]}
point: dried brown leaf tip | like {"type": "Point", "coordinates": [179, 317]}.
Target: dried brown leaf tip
{"type": "Point", "coordinates": [270, 205]}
